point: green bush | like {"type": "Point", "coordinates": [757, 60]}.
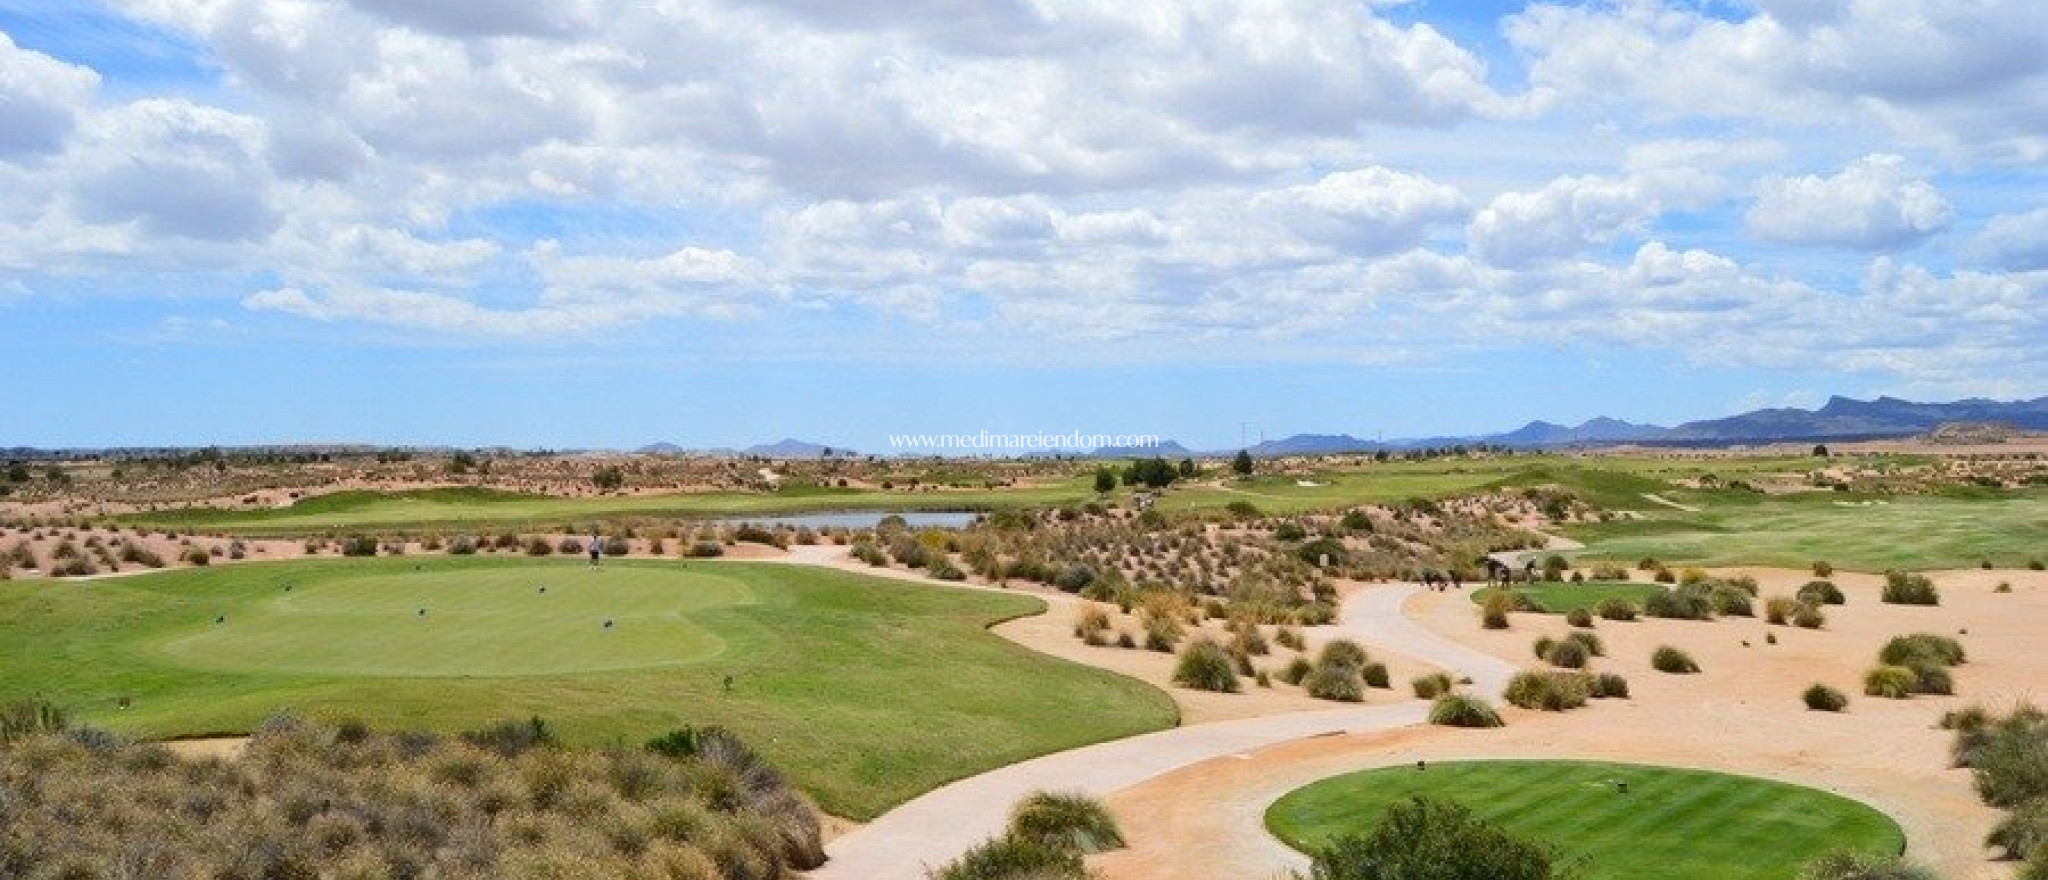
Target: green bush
{"type": "Point", "coordinates": [1568, 654]}
{"type": "Point", "coordinates": [1931, 679]}
{"type": "Point", "coordinates": [1431, 686]}
{"type": "Point", "coordinates": [1616, 608]}
{"type": "Point", "coordinates": [1809, 616]}
{"type": "Point", "coordinates": [2008, 757]}
{"type": "Point", "coordinates": [1731, 600]}
{"type": "Point", "coordinates": [1345, 652]}
{"type": "Point", "coordinates": [1014, 858]}
{"type": "Point", "coordinates": [1074, 822]}
{"type": "Point", "coordinates": [2023, 831]}
{"type": "Point", "coordinates": [359, 545]}
{"type": "Point", "coordinates": [1922, 649]}
{"type": "Point", "coordinates": [1858, 866]}
{"type": "Point", "coordinates": [1890, 682]}
{"type": "Point", "coordinates": [1336, 681]}
{"type": "Point", "coordinates": [1547, 691]}
{"type": "Point", "coordinates": [706, 550]}
{"type": "Point", "coordinates": [1778, 610]}
{"type": "Point", "coordinates": [1901, 588]}
{"type": "Point", "coordinates": [1494, 613]}
{"type": "Point", "coordinates": [1823, 569]}
{"type": "Point", "coordinates": [1821, 593]}
{"type": "Point", "coordinates": [1296, 670]}
{"type": "Point", "coordinates": [1430, 839]}
{"type": "Point", "coordinates": [1681, 603]}
{"type": "Point", "coordinates": [1607, 685]}
{"type": "Point", "coordinates": [1821, 698]}
{"type": "Point", "coordinates": [1579, 617]}
{"type": "Point", "coordinates": [1592, 642]}
{"type": "Point", "coordinates": [1376, 676]}
{"type": "Point", "coordinates": [1673, 660]}
{"type": "Point", "coordinates": [1541, 647]}
{"type": "Point", "coordinates": [1461, 710]}
{"type": "Point", "coordinates": [1205, 666]}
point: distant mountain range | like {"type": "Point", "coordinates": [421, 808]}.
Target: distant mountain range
{"type": "Point", "coordinates": [1841, 418]}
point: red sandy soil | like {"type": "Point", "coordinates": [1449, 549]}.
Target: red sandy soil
{"type": "Point", "coordinates": [1742, 714]}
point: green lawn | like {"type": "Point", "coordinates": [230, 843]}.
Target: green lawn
{"type": "Point", "coordinates": [484, 510]}
{"type": "Point", "coordinates": [1562, 597]}
{"type": "Point", "coordinates": [1671, 824]}
{"type": "Point", "coordinates": [866, 691]}
{"type": "Point", "coordinates": [1865, 534]}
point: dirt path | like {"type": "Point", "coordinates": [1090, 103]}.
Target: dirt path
{"type": "Point", "coordinates": [936, 827]}
{"type": "Point", "coordinates": [1655, 498]}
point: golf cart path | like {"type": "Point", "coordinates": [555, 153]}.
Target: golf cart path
{"type": "Point", "coordinates": [938, 826]}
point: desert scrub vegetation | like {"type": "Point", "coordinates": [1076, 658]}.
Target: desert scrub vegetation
{"type": "Point", "coordinates": [1432, 685]}
{"type": "Point", "coordinates": [1047, 836]}
{"type": "Point", "coordinates": [320, 801]}
{"type": "Point", "coordinates": [1927, 656]}
{"type": "Point", "coordinates": [1890, 682]}
{"type": "Point", "coordinates": [1821, 698]}
{"type": "Point", "coordinates": [1425, 837]}
{"type": "Point", "coordinates": [1339, 673]}
{"type": "Point", "coordinates": [1548, 691]}
{"type": "Point", "coordinates": [1204, 666]}
{"type": "Point", "coordinates": [2008, 760]}
{"type": "Point", "coordinates": [1616, 608]}
{"type": "Point", "coordinates": [1672, 660]}
{"type": "Point", "coordinates": [1857, 866]}
{"type": "Point", "coordinates": [1903, 588]}
{"type": "Point", "coordinates": [1821, 592]}
{"type": "Point", "coordinates": [1462, 710]}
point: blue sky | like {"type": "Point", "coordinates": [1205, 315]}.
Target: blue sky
{"type": "Point", "coordinates": [593, 223]}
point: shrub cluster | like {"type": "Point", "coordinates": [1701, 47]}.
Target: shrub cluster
{"type": "Point", "coordinates": [1462, 710]}
{"type": "Point", "coordinates": [1902, 588]}
{"type": "Point", "coordinates": [314, 801]}
{"type": "Point", "coordinates": [1426, 838]}
{"type": "Point", "coordinates": [1205, 666]}
{"type": "Point", "coordinates": [2008, 759]}
{"type": "Point", "coordinates": [1548, 691]}
{"type": "Point", "coordinates": [1339, 672]}
{"type": "Point", "coordinates": [1821, 698]}
{"type": "Point", "coordinates": [1047, 836]}
{"type": "Point", "coordinates": [1673, 660]}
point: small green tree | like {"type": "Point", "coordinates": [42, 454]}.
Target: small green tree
{"type": "Point", "coordinates": [1242, 464]}
{"type": "Point", "coordinates": [608, 478]}
{"type": "Point", "coordinates": [1105, 479]}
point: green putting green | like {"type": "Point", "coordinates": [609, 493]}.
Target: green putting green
{"type": "Point", "coordinates": [866, 691]}
{"type": "Point", "coordinates": [1668, 823]}
{"type": "Point", "coordinates": [488, 621]}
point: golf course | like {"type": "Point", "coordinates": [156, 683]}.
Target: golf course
{"type": "Point", "coordinates": [1618, 820]}
{"type": "Point", "coordinates": [866, 690]}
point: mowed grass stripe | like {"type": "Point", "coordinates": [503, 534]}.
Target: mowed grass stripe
{"type": "Point", "coordinates": [1671, 823]}
{"type": "Point", "coordinates": [866, 691]}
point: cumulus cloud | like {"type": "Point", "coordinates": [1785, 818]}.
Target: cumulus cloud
{"type": "Point", "coordinates": [176, 169]}
{"type": "Point", "coordinates": [1966, 74]}
{"type": "Point", "coordinates": [1874, 203]}
{"type": "Point", "coordinates": [1374, 210]}
{"type": "Point", "coordinates": [2014, 241]}
{"type": "Point", "coordinates": [41, 98]}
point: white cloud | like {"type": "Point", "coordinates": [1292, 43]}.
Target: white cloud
{"type": "Point", "coordinates": [40, 99]}
{"type": "Point", "coordinates": [1371, 210]}
{"type": "Point", "coordinates": [1874, 203]}
{"type": "Point", "coordinates": [1968, 74]}
{"type": "Point", "coordinates": [176, 170]}
{"type": "Point", "coordinates": [2014, 241]}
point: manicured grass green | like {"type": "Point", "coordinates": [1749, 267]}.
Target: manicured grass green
{"type": "Point", "coordinates": [1671, 824]}
{"type": "Point", "coordinates": [867, 691]}
{"type": "Point", "coordinates": [1867, 534]}
{"type": "Point", "coordinates": [1563, 597]}
{"type": "Point", "coordinates": [485, 510]}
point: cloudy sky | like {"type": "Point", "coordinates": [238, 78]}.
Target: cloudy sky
{"type": "Point", "coordinates": [608, 222]}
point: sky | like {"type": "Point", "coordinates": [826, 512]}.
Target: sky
{"type": "Point", "coordinates": [605, 223]}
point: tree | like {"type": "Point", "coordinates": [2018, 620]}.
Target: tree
{"type": "Point", "coordinates": [1152, 473]}
{"type": "Point", "coordinates": [1820, 450]}
{"type": "Point", "coordinates": [608, 478]}
{"type": "Point", "coordinates": [1425, 839]}
{"type": "Point", "coordinates": [1242, 464]}
{"type": "Point", "coordinates": [1188, 469]}
{"type": "Point", "coordinates": [1105, 479]}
